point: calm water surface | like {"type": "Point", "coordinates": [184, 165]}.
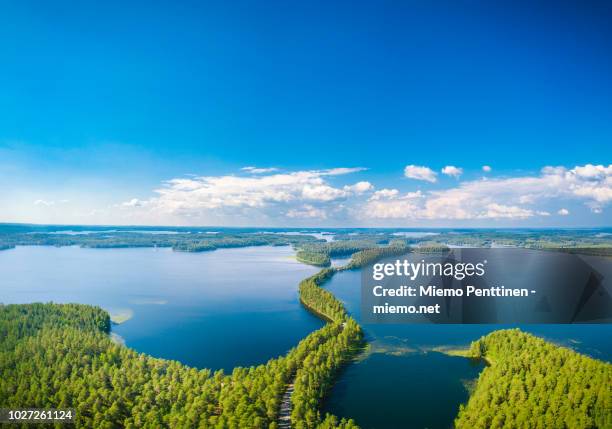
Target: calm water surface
{"type": "Point", "coordinates": [401, 383]}
{"type": "Point", "coordinates": [217, 309]}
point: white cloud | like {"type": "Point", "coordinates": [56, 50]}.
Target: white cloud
{"type": "Point", "coordinates": [563, 212]}
{"type": "Point", "coordinates": [389, 204]}
{"type": "Point", "coordinates": [451, 170]}
{"type": "Point", "coordinates": [48, 203]}
{"type": "Point", "coordinates": [134, 202]}
{"type": "Point", "coordinates": [595, 191]}
{"type": "Point", "coordinates": [417, 172]}
{"type": "Point", "coordinates": [322, 193]}
{"type": "Point", "coordinates": [312, 194]}
{"type": "Point", "coordinates": [593, 172]}
{"type": "Point", "coordinates": [591, 182]}
{"type": "Point", "coordinates": [267, 193]}
{"type": "Point", "coordinates": [340, 171]}
{"type": "Point", "coordinates": [486, 168]}
{"type": "Point", "coordinates": [255, 170]}
{"type": "Point", "coordinates": [384, 193]}
{"type": "Point", "coordinates": [359, 187]}
{"type": "Point", "coordinates": [500, 211]}
{"type": "Point", "coordinates": [553, 171]}
{"type": "Point", "coordinates": [307, 211]}
{"type": "Point", "coordinates": [500, 198]}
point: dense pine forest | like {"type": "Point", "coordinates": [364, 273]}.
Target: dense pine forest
{"type": "Point", "coordinates": [320, 254]}
{"type": "Point", "coordinates": [530, 383]}
{"type": "Point", "coordinates": [365, 257]}
{"type": "Point", "coordinates": [179, 241]}
{"type": "Point", "coordinates": [431, 247]}
{"type": "Point", "coordinates": [58, 355]}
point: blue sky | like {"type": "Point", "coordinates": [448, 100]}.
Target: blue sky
{"type": "Point", "coordinates": [102, 105]}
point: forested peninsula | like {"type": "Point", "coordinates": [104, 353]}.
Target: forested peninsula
{"type": "Point", "coordinates": [530, 383]}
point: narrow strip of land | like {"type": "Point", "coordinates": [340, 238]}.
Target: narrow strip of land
{"type": "Point", "coordinates": [284, 415]}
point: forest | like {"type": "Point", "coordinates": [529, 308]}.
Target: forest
{"type": "Point", "coordinates": [184, 241]}
{"type": "Point", "coordinates": [431, 247]}
{"type": "Point", "coordinates": [320, 254]}
{"type": "Point", "coordinates": [364, 257]}
{"type": "Point", "coordinates": [310, 250]}
{"type": "Point", "coordinates": [58, 355]}
{"type": "Point", "coordinates": [532, 383]}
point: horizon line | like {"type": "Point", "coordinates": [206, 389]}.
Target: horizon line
{"type": "Point", "coordinates": [305, 227]}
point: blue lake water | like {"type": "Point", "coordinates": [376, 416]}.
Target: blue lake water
{"type": "Point", "coordinates": [220, 309]}
{"type": "Point", "coordinates": [401, 383]}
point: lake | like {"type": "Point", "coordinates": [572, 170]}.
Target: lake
{"type": "Point", "coordinates": [220, 309]}
{"type": "Point", "coordinates": [401, 383]}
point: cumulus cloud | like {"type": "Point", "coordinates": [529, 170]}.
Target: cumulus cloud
{"type": "Point", "coordinates": [486, 168]}
{"type": "Point", "coordinates": [417, 172]}
{"type": "Point", "coordinates": [384, 193]}
{"type": "Point", "coordinates": [593, 172]}
{"type": "Point", "coordinates": [500, 211]}
{"type": "Point", "coordinates": [255, 170]}
{"type": "Point", "coordinates": [511, 198]}
{"type": "Point", "coordinates": [390, 204]}
{"type": "Point", "coordinates": [359, 187]}
{"type": "Point", "coordinates": [307, 211]}
{"type": "Point", "coordinates": [451, 170]}
{"type": "Point", "coordinates": [134, 202]}
{"type": "Point", "coordinates": [295, 192]}
{"type": "Point", "coordinates": [592, 182]}
{"type": "Point", "coordinates": [49, 203]}
{"type": "Point", "coordinates": [314, 194]}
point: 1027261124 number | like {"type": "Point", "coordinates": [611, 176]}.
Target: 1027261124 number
{"type": "Point", "coordinates": [37, 415]}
